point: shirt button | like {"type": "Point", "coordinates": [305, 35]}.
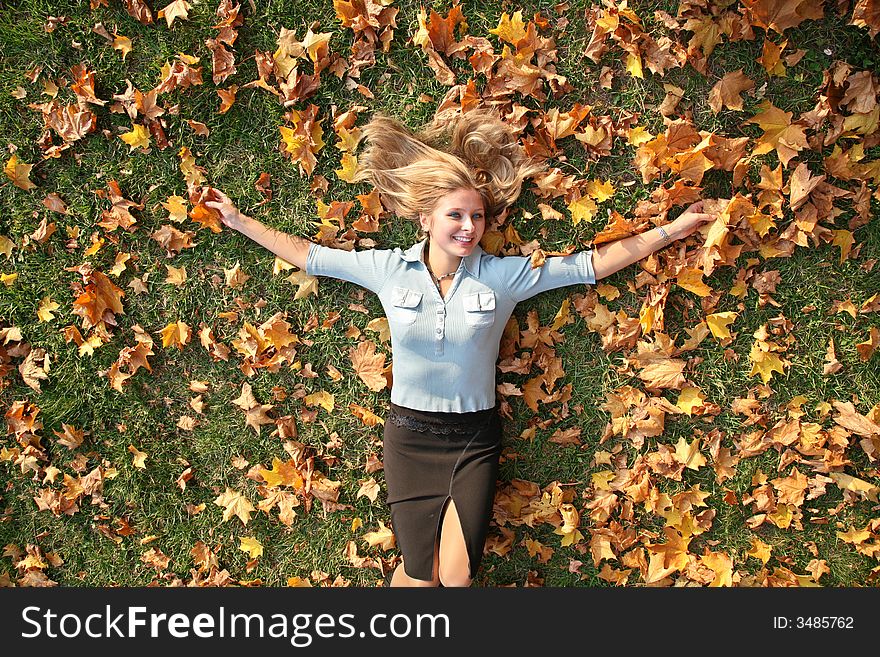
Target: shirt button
{"type": "Point", "coordinates": [439, 331]}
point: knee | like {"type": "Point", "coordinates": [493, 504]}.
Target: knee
{"type": "Point", "coordinates": [452, 577]}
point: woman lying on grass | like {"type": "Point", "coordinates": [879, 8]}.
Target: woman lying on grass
{"type": "Point", "coordinates": [447, 302]}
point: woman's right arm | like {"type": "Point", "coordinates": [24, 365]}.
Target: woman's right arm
{"type": "Point", "coordinates": [290, 248]}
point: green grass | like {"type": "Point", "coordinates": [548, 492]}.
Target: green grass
{"type": "Point", "coordinates": [244, 143]}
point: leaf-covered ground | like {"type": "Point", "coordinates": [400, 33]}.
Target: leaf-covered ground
{"type": "Point", "coordinates": [182, 408]}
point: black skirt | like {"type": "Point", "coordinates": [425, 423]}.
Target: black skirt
{"type": "Point", "coordinates": [431, 458]}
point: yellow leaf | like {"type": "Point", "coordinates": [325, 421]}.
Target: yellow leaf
{"type": "Point", "coordinates": [252, 546]}
{"type": "Point", "coordinates": [298, 582]}
{"type": "Point", "coordinates": [380, 325]}
{"type": "Point", "coordinates": [599, 190]}
{"type": "Point", "coordinates": [510, 29]}
{"type": "Point", "coordinates": [280, 265]}
{"type": "Point", "coordinates": [19, 173]}
{"type": "Point", "coordinates": [638, 136]}
{"type": "Point", "coordinates": [722, 565]}
{"type": "Point", "coordinates": [689, 399]}
{"type": "Point", "coordinates": [563, 316]}
{"type": "Point", "coordinates": [176, 275]}
{"type": "Point", "coordinates": [384, 537]}
{"type": "Point", "coordinates": [138, 457]}
{"type": "Point", "coordinates": [281, 474]}
{"type": "Point", "coordinates": [634, 65]}
{"type": "Point", "coordinates": [689, 455]}
{"type": "Point", "coordinates": [764, 363]}
{"type": "Point", "coordinates": [321, 398]}
{"type": "Point", "coordinates": [317, 45]}
{"type": "Point", "coordinates": [607, 292]}
{"type": "Point", "coordinates": [844, 240]}
{"type": "Point", "coordinates": [176, 334]}
{"type": "Point", "coordinates": [8, 279]}
{"type": "Point", "coordinates": [6, 246]}
{"type": "Point", "coordinates": [44, 312]}
{"type": "Point", "coordinates": [760, 550]}
{"type": "Point", "coordinates": [191, 172]}
{"type": "Point", "coordinates": [602, 480]}
{"type": "Point", "coordinates": [583, 209]}
{"type": "Point", "coordinates": [235, 504]}
{"type": "Point", "coordinates": [139, 137]}
{"type": "Point", "coordinates": [860, 487]}
{"type": "Point", "coordinates": [307, 284]}
{"type": "Point", "coordinates": [176, 206]}
{"type": "Point", "coordinates": [762, 223]}
{"type": "Point", "coordinates": [122, 44]}
{"type": "Point", "coordinates": [719, 324]}
{"type": "Point", "coordinates": [348, 169]}
{"type": "Point", "coordinates": [691, 279]}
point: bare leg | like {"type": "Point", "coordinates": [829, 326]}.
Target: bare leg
{"type": "Point", "coordinates": [400, 578]}
{"type": "Point", "coordinates": [454, 560]}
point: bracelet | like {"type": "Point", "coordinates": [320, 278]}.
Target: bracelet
{"type": "Point", "coordinates": [664, 236]}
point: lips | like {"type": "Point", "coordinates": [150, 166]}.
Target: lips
{"type": "Point", "coordinates": [463, 240]}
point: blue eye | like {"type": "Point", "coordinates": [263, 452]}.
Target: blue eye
{"type": "Point", "coordinates": [454, 214]}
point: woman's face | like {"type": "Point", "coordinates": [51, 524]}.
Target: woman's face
{"type": "Point", "coordinates": [456, 223]}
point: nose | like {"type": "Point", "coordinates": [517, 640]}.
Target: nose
{"type": "Point", "coordinates": [467, 223]}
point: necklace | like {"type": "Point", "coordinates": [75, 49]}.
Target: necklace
{"type": "Point", "coordinates": [444, 276]}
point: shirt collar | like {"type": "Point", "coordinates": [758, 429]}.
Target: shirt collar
{"type": "Point", "coordinates": [471, 262]}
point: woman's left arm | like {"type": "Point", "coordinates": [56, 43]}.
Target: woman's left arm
{"type": "Point", "coordinates": [614, 256]}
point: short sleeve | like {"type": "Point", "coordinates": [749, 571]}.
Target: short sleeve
{"type": "Point", "coordinates": [523, 282]}
{"type": "Point", "coordinates": [369, 268]}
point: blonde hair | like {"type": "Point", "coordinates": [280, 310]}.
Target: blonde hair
{"type": "Point", "coordinates": [475, 150]}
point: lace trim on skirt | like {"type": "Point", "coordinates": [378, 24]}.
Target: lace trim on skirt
{"type": "Point", "coordinates": [438, 426]}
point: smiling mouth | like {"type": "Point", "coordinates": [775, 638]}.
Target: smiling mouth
{"type": "Point", "coordinates": [463, 240]}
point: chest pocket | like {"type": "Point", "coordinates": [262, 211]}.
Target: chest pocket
{"type": "Point", "coordinates": [479, 309]}
{"type": "Point", "coordinates": [404, 307]}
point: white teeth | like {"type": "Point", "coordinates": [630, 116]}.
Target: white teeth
{"type": "Point", "coordinates": [464, 239]}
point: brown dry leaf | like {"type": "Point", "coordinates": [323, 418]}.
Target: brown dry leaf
{"type": "Point", "coordinates": [255, 413]}
{"type": "Point", "coordinates": [369, 489]}
{"type": "Point", "coordinates": [368, 364]}
{"type": "Point", "coordinates": [227, 98]}
{"type": "Point", "coordinates": [832, 365]}
{"type": "Point", "coordinates": [176, 9]}
{"type": "Point", "coordinates": [726, 92]}
{"type": "Point", "coordinates": [779, 15]}
{"type": "Point", "coordinates": [138, 10]}
{"type": "Point", "coordinates": [867, 348]}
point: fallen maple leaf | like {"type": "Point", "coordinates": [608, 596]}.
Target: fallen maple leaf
{"type": "Point", "coordinates": [19, 173]}
{"type": "Point", "coordinates": [383, 537]}
{"type": "Point", "coordinates": [369, 365]}
{"type": "Point", "coordinates": [138, 137]}
{"type": "Point", "coordinates": [252, 546]}
{"type": "Point", "coordinates": [139, 457]}
{"type": "Point", "coordinates": [235, 504]}
{"type": "Point", "coordinates": [177, 9]}
{"type": "Point", "coordinates": [726, 92]}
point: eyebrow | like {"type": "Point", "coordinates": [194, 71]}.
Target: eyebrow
{"type": "Point", "coordinates": [462, 210]}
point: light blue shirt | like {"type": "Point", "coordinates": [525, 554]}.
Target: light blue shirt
{"type": "Point", "coordinates": [445, 348]}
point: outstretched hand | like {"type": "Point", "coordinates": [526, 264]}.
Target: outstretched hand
{"type": "Point", "coordinates": [229, 214]}
{"type": "Point", "coordinates": [689, 221]}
